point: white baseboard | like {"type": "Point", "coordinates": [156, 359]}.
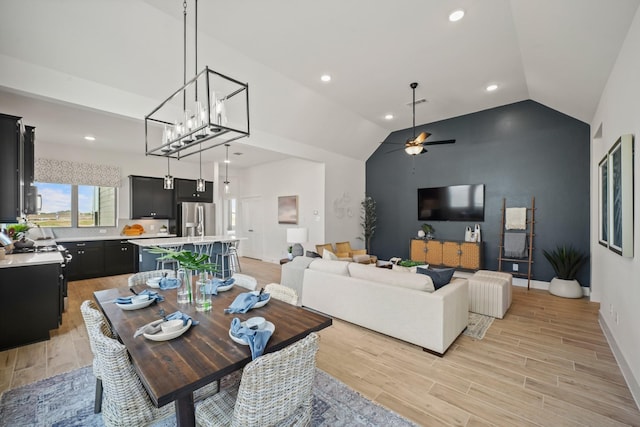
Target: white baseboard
{"type": "Point", "coordinates": [632, 382]}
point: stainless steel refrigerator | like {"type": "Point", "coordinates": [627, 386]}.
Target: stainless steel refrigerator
{"type": "Point", "coordinates": [196, 219]}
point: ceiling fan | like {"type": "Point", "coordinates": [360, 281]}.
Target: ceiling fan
{"type": "Point", "coordinates": [416, 145]}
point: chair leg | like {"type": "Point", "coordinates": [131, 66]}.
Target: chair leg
{"type": "Point", "coordinates": [97, 406]}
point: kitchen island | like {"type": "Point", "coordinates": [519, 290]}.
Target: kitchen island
{"type": "Point", "coordinates": [147, 260]}
{"type": "Point", "coordinates": [31, 297]}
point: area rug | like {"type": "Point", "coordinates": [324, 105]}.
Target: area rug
{"type": "Point", "coordinates": [66, 400]}
{"type": "Point", "coordinates": [478, 325]}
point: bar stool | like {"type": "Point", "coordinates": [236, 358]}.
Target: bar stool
{"type": "Point", "coordinates": [203, 248]}
{"type": "Point", "coordinates": [223, 264]}
{"type": "Point", "coordinates": [233, 256]}
{"type": "Point", "coordinates": [163, 261]}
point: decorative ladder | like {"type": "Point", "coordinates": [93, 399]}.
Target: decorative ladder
{"type": "Point", "coordinates": [530, 222]}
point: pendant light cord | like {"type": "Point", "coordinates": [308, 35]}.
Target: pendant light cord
{"type": "Point", "coordinates": [195, 71]}
{"type": "Point", "coordinates": [184, 54]}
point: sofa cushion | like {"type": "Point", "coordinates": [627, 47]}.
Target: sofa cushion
{"type": "Point", "coordinates": [439, 276]}
{"type": "Point", "coordinates": [327, 254]}
{"type": "Point", "coordinates": [393, 278]}
{"type": "Point", "coordinates": [320, 248]}
{"type": "Point", "coordinates": [312, 254]}
{"type": "Point", "coordinates": [327, 266]}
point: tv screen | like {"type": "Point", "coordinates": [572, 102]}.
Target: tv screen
{"type": "Point", "coordinates": [452, 203]}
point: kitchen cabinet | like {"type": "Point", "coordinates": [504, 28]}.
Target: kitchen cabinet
{"type": "Point", "coordinates": [10, 141]}
{"type": "Point", "coordinates": [30, 201]}
{"type": "Point", "coordinates": [149, 199]}
{"type": "Point", "coordinates": [185, 191]}
{"type": "Point", "coordinates": [119, 257]}
{"type": "Point", "coordinates": [88, 259]}
{"type": "Point", "coordinates": [447, 253]}
{"type": "Point", "coordinates": [30, 302]}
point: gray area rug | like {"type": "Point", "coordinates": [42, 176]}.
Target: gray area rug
{"type": "Point", "coordinates": [478, 325]}
{"type": "Point", "coordinates": [66, 400]}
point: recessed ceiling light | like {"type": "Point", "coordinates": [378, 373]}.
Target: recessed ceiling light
{"type": "Point", "coordinates": [388, 116]}
{"type": "Point", "coordinates": [325, 78]}
{"type": "Point", "coordinates": [90, 138]}
{"type": "Point", "coordinates": [227, 161]}
{"type": "Point", "coordinates": [491, 88]}
{"type": "Point", "coordinates": [456, 15]}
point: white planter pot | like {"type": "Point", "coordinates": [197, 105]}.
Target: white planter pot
{"type": "Point", "coordinates": [565, 288]}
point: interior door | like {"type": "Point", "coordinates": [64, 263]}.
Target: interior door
{"type": "Point", "coordinates": [251, 227]}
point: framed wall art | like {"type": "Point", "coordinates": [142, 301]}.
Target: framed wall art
{"type": "Point", "coordinates": [603, 201]}
{"type": "Point", "coordinates": [287, 209]}
{"type": "Point", "coordinates": [620, 196]}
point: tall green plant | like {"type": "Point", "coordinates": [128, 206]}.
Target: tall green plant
{"type": "Point", "coordinates": [368, 220]}
{"type": "Point", "coordinates": [565, 261]}
{"type": "Point", "coordinates": [187, 259]}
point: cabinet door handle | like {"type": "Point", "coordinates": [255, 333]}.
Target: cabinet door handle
{"type": "Point", "coordinates": [80, 244]}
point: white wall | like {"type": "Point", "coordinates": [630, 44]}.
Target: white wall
{"type": "Point", "coordinates": [615, 280]}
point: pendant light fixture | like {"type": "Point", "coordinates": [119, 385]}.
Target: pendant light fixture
{"type": "Point", "coordinates": [226, 171]}
{"type": "Point", "coordinates": [200, 185]}
{"type": "Point", "coordinates": [206, 122]}
{"type": "Point", "coordinates": [168, 179]}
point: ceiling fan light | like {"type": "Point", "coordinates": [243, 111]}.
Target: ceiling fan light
{"type": "Point", "coordinates": [413, 150]}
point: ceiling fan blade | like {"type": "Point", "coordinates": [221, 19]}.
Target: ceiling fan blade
{"type": "Point", "coordinates": [444, 141]}
{"type": "Point", "coordinates": [422, 137]}
{"type": "Point", "coordinates": [393, 151]}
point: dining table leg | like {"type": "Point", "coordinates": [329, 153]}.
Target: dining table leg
{"type": "Point", "coordinates": [185, 411]}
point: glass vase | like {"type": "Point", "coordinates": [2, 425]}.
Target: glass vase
{"type": "Point", "coordinates": [185, 290]}
{"type": "Point", "coordinates": [203, 299]}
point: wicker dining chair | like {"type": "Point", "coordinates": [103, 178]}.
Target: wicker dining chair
{"type": "Point", "coordinates": [125, 401]}
{"type": "Point", "coordinates": [275, 389]}
{"type": "Point", "coordinates": [142, 277]}
{"type": "Point", "coordinates": [283, 293]}
{"type": "Point", "coordinates": [92, 318]}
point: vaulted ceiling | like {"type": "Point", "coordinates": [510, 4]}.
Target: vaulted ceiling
{"type": "Point", "coordinates": [113, 61]}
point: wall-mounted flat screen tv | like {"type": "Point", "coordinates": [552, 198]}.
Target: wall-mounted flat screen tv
{"type": "Point", "coordinates": [452, 203]}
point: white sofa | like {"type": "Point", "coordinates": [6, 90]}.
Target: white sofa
{"type": "Point", "coordinates": [390, 302]}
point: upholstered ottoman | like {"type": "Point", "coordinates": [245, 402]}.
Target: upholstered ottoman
{"type": "Point", "coordinates": [245, 281]}
{"type": "Point", "coordinates": [490, 293]}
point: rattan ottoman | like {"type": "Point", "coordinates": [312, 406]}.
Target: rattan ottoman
{"type": "Point", "coordinates": [490, 293]}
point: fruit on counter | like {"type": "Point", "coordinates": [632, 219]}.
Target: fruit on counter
{"type": "Point", "coordinates": [133, 230]}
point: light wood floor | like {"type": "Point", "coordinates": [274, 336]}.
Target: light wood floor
{"type": "Point", "coordinates": [546, 363]}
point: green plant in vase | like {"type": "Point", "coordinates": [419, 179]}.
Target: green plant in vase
{"type": "Point", "coordinates": [188, 261]}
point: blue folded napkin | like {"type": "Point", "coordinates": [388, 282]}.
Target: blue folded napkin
{"type": "Point", "coordinates": [212, 287]}
{"type": "Point", "coordinates": [257, 339]}
{"type": "Point", "coordinates": [168, 283]}
{"type": "Point", "coordinates": [180, 315]}
{"type": "Point", "coordinates": [152, 295]}
{"type": "Point", "coordinates": [245, 302]}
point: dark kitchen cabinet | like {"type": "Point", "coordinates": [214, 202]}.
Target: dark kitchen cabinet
{"type": "Point", "coordinates": [185, 190]}
{"type": "Point", "coordinates": [10, 141]}
{"type": "Point", "coordinates": [30, 201]}
{"type": "Point", "coordinates": [119, 257]}
{"type": "Point", "coordinates": [149, 199]}
{"type": "Point", "coordinates": [88, 259]}
{"type": "Point", "coordinates": [30, 301]}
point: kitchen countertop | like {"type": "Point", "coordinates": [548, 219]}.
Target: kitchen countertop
{"type": "Point", "coordinates": [156, 236]}
{"type": "Point", "coordinates": [33, 258]}
{"type": "Point", "coordinates": [183, 240]}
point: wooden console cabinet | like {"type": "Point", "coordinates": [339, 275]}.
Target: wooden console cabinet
{"type": "Point", "coordinates": [447, 253]}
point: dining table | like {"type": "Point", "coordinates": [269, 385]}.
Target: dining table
{"type": "Point", "coordinates": [171, 370]}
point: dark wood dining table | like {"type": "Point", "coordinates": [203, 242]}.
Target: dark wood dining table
{"type": "Point", "coordinates": [171, 370]}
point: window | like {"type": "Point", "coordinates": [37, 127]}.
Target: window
{"type": "Point", "coordinates": [56, 205]}
{"type": "Point", "coordinates": [66, 205]}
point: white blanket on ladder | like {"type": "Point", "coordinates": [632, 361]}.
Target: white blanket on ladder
{"type": "Point", "coordinates": [516, 219]}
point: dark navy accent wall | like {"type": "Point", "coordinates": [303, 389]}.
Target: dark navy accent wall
{"type": "Point", "coordinates": [518, 151]}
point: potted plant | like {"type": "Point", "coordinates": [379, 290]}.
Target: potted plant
{"type": "Point", "coordinates": [290, 252]}
{"type": "Point", "coordinates": [368, 218]}
{"type": "Point", "coordinates": [566, 262]}
{"type": "Point", "coordinates": [428, 231]}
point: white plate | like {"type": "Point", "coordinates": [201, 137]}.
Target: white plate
{"type": "Point", "coordinates": [268, 326]}
{"type": "Point", "coordinates": [225, 288]}
{"type": "Point", "coordinates": [154, 282]}
{"type": "Point", "coordinates": [260, 303]}
{"type": "Point", "coordinates": [161, 336]}
{"type": "Point", "coordinates": [136, 305]}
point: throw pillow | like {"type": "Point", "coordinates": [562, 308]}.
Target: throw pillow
{"type": "Point", "coordinates": [326, 254]}
{"type": "Point", "coordinates": [312, 254]}
{"type": "Point", "coordinates": [439, 276]}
